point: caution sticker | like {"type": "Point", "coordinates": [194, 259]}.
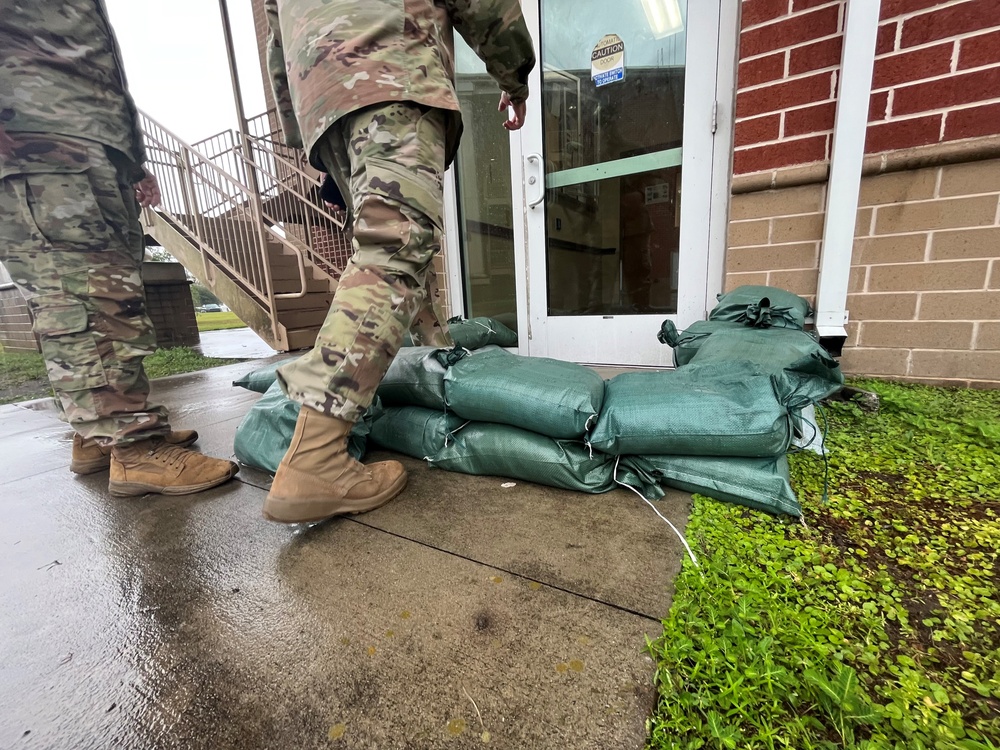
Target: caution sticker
{"type": "Point", "coordinates": [607, 61]}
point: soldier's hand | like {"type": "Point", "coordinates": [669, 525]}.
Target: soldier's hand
{"type": "Point", "coordinates": [6, 143]}
{"type": "Point", "coordinates": [147, 191]}
{"type": "Point", "coordinates": [520, 109]}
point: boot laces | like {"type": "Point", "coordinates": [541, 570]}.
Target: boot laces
{"type": "Point", "coordinates": [168, 454]}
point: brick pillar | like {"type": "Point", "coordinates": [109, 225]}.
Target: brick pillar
{"type": "Point", "coordinates": [169, 304]}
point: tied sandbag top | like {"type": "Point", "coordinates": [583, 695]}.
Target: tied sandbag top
{"type": "Point", "coordinates": [762, 307]}
{"type": "Point", "coordinates": [476, 333]}
{"type": "Point", "coordinates": [687, 342]}
{"type": "Point", "coordinates": [548, 396]}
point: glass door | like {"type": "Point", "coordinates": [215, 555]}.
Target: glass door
{"type": "Point", "coordinates": [614, 176]}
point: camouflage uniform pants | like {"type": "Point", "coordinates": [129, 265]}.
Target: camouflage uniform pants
{"type": "Point", "coordinates": [73, 246]}
{"type": "Point", "coordinates": [389, 163]}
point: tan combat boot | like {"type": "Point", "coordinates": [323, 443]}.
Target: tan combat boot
{"type": "Point", "coordinates": [317, 479]}
{"type": "Point", "coordinates": [89, 457]}
{"type": "Point", "coordinates": [157, 466]}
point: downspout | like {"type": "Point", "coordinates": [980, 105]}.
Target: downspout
{"type": "Point", "coordinates": [850, 128]}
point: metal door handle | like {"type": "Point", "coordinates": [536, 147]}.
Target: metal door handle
{"type": "Point", "coordinates": [539, 179]}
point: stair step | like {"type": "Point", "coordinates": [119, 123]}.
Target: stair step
{"type": "Point", "coordinates": [280, 260]}
{"type": "Point", "coordinates": [301, 338]}
{"type": "Point", "coordinates": [286, 286]}
{"type": "Point", "coordinates": [302, 318]}
{"type": "Point", "coordinates": [312, 301]}
{"type": "Point", "coordinates": [289, 272]}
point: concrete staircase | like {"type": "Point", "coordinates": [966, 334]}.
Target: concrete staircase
{"type": "Point", "coordinates": [249, 229]}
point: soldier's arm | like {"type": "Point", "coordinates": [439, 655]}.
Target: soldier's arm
{"type": "Point", "coordinates": [495, 29]}
{"type": "Point", "coordinates": [279, 77]}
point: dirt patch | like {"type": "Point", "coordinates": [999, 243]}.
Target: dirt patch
{"type": "Point", "coordinates": [26, 391]}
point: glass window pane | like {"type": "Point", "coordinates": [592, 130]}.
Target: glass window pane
{"type": "Point", "coordinates": [482, 171]}
{"type": "Point", "coordinates": [612, 156]}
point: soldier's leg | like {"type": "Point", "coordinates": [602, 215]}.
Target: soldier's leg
{"type": "Point", "coordinates": [395, 157]}
{"type": "Point", "coordinates": [76, 254]}
{"type": "Point", "coordinates": [75, 251]}
{"type": "Point", "coordinates": [429, 327]}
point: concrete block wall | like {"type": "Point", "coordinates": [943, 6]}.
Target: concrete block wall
{"type": "Point", "coordinates": [936, 78]}
{"type": "Point", "coordinates": [924, 297]}
{"type": "Point", "coordinates": [169, 305]}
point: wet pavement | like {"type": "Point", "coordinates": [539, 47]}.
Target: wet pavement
{"type": "Point", "coordinates": [234, 343]}
{"type": "Point", "coordinates": [464, 614]}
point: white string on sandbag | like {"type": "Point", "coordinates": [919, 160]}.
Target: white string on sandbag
{"type": "Point", "coordinates": [448, 437]}
{"type": "Point", "coordinates": [650, 504]}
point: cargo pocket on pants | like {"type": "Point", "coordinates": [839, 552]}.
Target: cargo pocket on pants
{"type": "Point", "coordinates": [70, 351]}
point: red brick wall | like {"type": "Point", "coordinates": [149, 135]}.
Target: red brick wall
{"type": "Point", "coordinates": [936, 79]}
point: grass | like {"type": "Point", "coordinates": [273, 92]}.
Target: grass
{"type": "Point", "coordinates": [878, 626]}
{"type": "Point", "coordinates": [23, 377]}
{"type": "Point", "coordinates": [218, 321]}
{"type": "Point", "coordinates": [181, 359]}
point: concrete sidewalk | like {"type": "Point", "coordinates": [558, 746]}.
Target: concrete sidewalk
{"type": "Point", "coordinates": [464, 614]}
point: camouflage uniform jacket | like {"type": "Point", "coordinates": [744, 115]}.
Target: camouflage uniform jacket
{"type": "Point", "coordinates": [61, 75]}
{"type": "Point", "coordinates": [329, 58]}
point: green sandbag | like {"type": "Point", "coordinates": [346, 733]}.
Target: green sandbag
{"type": "Point", "coordinates": [806, 367]}
{"type": "Point", "coordinates": [547, 396]}
{"type": "Point", "coordinates": [717, 409]}
{"type": "Point", "coordinates": [262, 378]}
{"type": "Point", "coordinates": [413, 431]}
{"type": "Point", "coordinates": [760, 483]}
{"type": "Point", "coordinates": [503, 451]}
{"type": "Point", "coordinates": [415, 378]}
{"type": "Point", "coordinates": [476, 333]}
{"type": "Point", "coordinates": [266, 431]}
{"type": "Point", "coordinates": [771, 348]}
{"type": "Point", "coordinates": [762, 307]}
{"type": "Point", "coordinates": [686, 343]}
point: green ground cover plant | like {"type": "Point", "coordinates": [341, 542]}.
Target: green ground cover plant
{"type": "Point", "coordinates": [218, 321]}
{"type": "Point", "coordinates": [22, 375]}
{"type": "Point", "coordinates": [877, 625]}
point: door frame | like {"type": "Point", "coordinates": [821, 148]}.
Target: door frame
{"type": "Point", "coordinates": [708, 138]}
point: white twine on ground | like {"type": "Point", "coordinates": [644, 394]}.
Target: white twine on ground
{"type": "Point", "coordinates": [650, 504]}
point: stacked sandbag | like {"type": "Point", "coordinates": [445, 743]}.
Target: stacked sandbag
{"type": "Point", "coordinates": [755, 335]}
{"type": "Point", "coordinates": [760, 483]}
{"type": "Point", "coordinates": [476, 333]}
{"type": "Point", "coordinates": [720, 424]}
{"type": "Point", "coordinates": [483, 448]}
{"type": "Point", "coordinates": [416, 377]}
{"type": "Point", "coordinates": [265, 433]}
{"type": "Point", "coordinates": [414, 430]}
{"type": "Point", "coordinates": [503, 415]}
{"type": "Point", "coordinates": [708, 410]}
{"type": "Point", "coordinates": [548, 396]}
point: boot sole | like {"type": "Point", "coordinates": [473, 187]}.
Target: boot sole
{"type": "Point", "coordinates": [95, 465]}
{"type": "Point", "coordinates": [135, 489]}
{"type": "Point", "coordinates": [372, 503]}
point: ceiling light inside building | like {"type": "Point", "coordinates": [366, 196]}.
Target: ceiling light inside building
{"type": "Point", "coordinates": [664, 17]}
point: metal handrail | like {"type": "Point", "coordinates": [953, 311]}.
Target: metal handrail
{"type": "Point", "coordinates": [232, 196]}
{"type": "Point", "coordinates": [210, 206]}
{"type": "Point", "coordinates": [289, 192]}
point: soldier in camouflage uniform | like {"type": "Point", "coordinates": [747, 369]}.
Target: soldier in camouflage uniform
{"type": "Point", "coordinates": [367, 88]}
{"type": "Point", "coordinates": [71, 184]}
